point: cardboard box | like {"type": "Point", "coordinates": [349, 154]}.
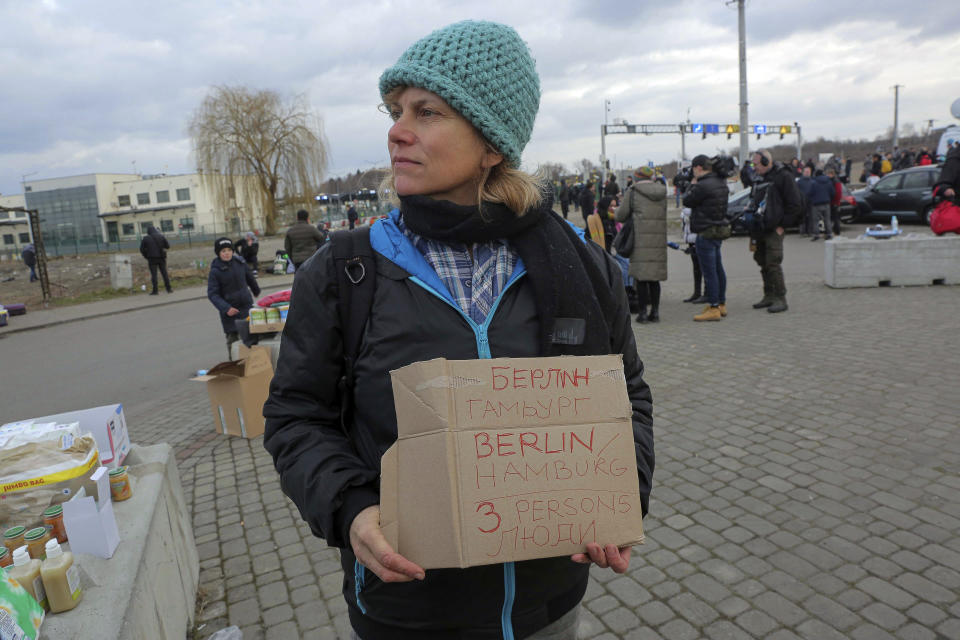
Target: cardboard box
{"type": "Point", "coordinates": [238, 389]}
{"type": "Point", "coordinates": [107, 424]}
{"type": "Point", "coordinates": [510, 459]}
{"type": "Point", "coordinates": [90, 524]}
{"type": "Point", "coordinates": [268, 327]}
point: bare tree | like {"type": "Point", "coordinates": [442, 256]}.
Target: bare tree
{"type": "Point", "coordinates": [252, 146]}
{"type": "Point", "coordinates": [553, 171]}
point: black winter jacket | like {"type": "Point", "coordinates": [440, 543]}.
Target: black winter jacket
{"type": "Point", "coordinates": [587, 201]}
{"type": "Point", "coordinates": [778, 189]}
{"type": "Point", "coordinates": [950, 173]}
{"type": "Point", "coordinates": [331, 476]}
{"type": "Point", "coordinates": [229, 285]}
{"type": "Point", "coordinates": [707, 200]}
{"type": "Point", "coordinates": [154, 246]}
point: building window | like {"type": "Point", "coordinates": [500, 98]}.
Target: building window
{"type": "Point", "coordinates": [186, 223]}
{"type": "Point", "coordinates": [145, 226]}
{"type": "Point", "coordinates": [128, 229]}
{"type": "Point", "coordinates": [163, 196]}
{"type": "Point", "coordinates": [8, 238]}
{"type": "Point", "coordinates": [183, 194]}
{"type": "Point", "coordinates": [4, 215]}
{"type": "Point", "coordinates": [143, 198]}
{"type": "Point", "coordinates": [28, 188]}
{"type": "Point", "coordinates": [24, 238]}
{"type": "Point", "coordinates": [123, 201]}
{"type": "Point", "coordinates": [166, 225]}
{"type": "Point", "coordinates": [19, 214]}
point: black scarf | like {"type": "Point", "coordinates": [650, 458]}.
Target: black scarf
{"type": "Point", "coordinates": [567, 282]}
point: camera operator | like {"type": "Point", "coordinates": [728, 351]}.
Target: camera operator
{"type": "Point", "coordinates": [775, 199]}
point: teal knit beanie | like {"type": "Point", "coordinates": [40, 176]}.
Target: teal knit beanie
{"type": "Point", "coordinates": [484, 71]}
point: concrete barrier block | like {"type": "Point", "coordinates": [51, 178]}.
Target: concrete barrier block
{"type": "Point", "coordinates": [148, 588]}
{"type": "Point", "coordinates": [910, 260]}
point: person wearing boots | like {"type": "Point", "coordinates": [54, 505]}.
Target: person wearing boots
{"type": "Point", "coordinates": [228, 289]}
{"type": "Point", "coordinates": [775, 196]}
{"type": "Point", "coordinates": [646, 202]}
{"type": "Point", "coordinates": [691, 239]}
{"type": "Point", "coordinates": [707, 199]}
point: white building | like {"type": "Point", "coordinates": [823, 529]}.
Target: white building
{"type": "Point", "coordinates": [14, 225]}
{"type": "Point", "coordinates": [108, 207]}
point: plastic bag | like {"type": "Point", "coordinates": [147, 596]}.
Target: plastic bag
{"type": "Point", "coordinates": [230, 633]}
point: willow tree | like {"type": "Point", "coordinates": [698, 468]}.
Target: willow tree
{"type": "Point", "coordinates": [251, 146]}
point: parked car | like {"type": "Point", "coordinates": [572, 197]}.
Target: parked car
{"type": "Point", "coordinates": [736, 203]}
{"type": "Point", "coordinates": [907, 194]}
{"type": "Point", "coordinates": [847, 209]}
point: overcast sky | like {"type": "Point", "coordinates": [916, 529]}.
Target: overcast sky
{"type": "Point", "coordinates": [96, 86]}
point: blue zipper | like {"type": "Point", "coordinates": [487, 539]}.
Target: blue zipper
{"type": "Point", "coordinates": [483, 351]}
{"type": "Point", "coordinates": [358, 579]}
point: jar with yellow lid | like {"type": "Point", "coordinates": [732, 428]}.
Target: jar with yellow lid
{"type": "Point", "coordinates": [13, 538]}
{"type": "Point", "coordinates": [36, 541]}
{"type": "Point", "coordinates": [120, 485]}
{"type": "Point", "coordinates": [53, 517]}
{"type": "Point", "coordinates": [6, 558]}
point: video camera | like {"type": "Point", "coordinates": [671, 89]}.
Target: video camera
{"type": "Point", "coordinates": [723, 165]}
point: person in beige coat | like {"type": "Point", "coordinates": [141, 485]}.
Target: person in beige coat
{"type": "Point", "coordinates": [646, 203]}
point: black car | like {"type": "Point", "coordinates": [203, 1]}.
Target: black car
{"type": "Point", "coordinates": [907, 194]}
{"type": "Point", "coordinates": [736, 203]}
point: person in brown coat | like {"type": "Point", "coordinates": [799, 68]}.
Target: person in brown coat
{"type": "Point", "coordinates": [646, 202]}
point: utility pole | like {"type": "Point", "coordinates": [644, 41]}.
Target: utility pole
{"type": "Point", "coordinates": [896, 108]}
{"type": "Point", "coordinates": [603, 145]}
{"type": "Point", "coordinates": [683, 138]}
{"type": "Point", "coordinates": [743, 82]}
{"type": "Point", "coordinates": [799, 142]}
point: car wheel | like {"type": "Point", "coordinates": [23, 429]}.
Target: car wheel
{"type": "Point", "coordinates": [925, 215]}
{"type": "Point", "coordinates": [849, 216]}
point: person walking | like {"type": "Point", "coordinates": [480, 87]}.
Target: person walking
{"type": "Point", "coordinates": [774, 198]}
{"type": "Point", "coordinates": [473, 264]}
{"type": "Point", "coordinates": [229, 284]}
{"type": "Point", "coordinates": [29, 256]}
{"type": "Point", "coordinates": [646, 204]}
{"type": "Point", "coordinates": [707, 198]}
{"type": "Point", "coordinates": [302, 239]}
{"type": "Point", "coordinates": [154, 247]}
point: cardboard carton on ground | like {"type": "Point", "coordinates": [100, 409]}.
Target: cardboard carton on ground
{"type": "Point", "coordinates": [510, 459]}
{"type": "Point", "coordinates": [91, 525]}
{"type": "Point", "coordinates": [238, 389]}
{"type": "Point", "coordinates": [267, 327]}
{"type": "Point", "coordinates": [107, 424]}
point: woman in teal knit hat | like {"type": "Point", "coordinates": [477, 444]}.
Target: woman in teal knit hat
{"type": "Point", "coordinates": [472, 264]}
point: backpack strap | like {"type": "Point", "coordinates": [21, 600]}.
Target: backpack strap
{"type": "Point", "coordinates": [356, 281]}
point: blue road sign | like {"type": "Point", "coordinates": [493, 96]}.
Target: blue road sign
{"type": "Point", "coordinates": [713, 128]}
{"type": "Point", "coordinates": [698, 128]}
{"type": "Point", "coordinates": [760, 128]}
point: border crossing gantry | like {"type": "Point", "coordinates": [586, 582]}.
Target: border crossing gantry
{"type": "Point", "coordinates": [693, 128]}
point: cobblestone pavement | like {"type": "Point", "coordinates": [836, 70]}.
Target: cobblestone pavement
{"type": "Point", "coordinates": [807, 483]}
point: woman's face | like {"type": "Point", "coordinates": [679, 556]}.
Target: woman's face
{"type": "Point", "coordinates": [434, 151]}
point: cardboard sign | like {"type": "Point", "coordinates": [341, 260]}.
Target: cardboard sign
{"type": "Point", "coordinates": [238, 389]}
{"type": "Point", "coordinates": [510, 459]}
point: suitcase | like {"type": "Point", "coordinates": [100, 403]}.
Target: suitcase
{"type": "Point", "coordinates": [945, 218]}
{"type": "Point", "coordinates": [16, 309]}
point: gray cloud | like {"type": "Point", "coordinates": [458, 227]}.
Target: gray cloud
{"type": "Point", "coordinates": [93, 86]}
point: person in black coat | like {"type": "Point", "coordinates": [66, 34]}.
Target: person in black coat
{"type": "Point", "coordinates": [587, 199]}
{"type": "Point", "coordinates": [228, 288]}
{"type": "Point", "coordinates": [248, 247]}
{"type": "Point", "coordinates": [154, 247]}
{"type": "Point", "coordinates": [29, 255]}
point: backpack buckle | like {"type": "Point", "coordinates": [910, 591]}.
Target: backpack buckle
{"type": "Point", "coordinates": [350, 268]}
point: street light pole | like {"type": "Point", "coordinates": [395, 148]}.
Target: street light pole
{"type": "Point", "coordinates": [744, 144]}
{"type": "Point", "coordinates": [603, 144]}
{"type": "Point", "coordinates": [896, 112]}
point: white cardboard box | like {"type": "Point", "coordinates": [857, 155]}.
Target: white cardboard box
{"type": "Point", "coordinates": [106, 423]}
{"type": "Point", "coordinates": [91, 525]}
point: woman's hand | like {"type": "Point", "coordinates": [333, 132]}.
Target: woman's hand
{"type": "Point", "coordinates": [608, 556]}
{"type": "Point", "coordinates": [375, 553]}
{"type": "Point", "coordinates": [232, 312]}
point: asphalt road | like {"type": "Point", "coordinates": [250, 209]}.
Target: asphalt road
{"type": "Point", "coordinates": [128, 358]}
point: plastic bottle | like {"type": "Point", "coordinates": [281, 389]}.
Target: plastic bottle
{"type": "Point", "coordinates": [61, 580]}
{"type": "Point", "coordinates": [26, 571]}
{"type": "Point", "coordinates": [894, 223]}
